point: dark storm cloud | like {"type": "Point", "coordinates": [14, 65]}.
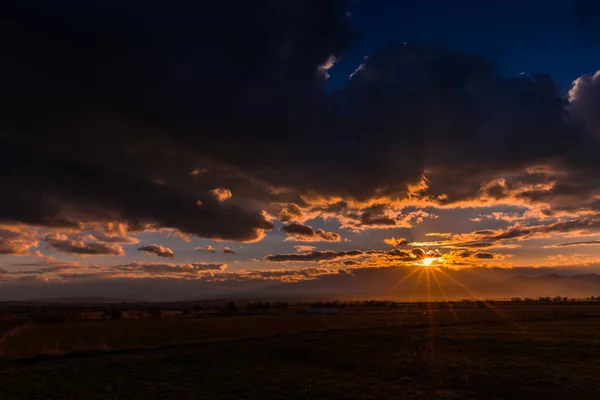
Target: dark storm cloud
{"type": "Point", "coordinates": [157, 250]}
{"type": "Point", "coordinates": [583, 225]}
{"type": "Point", "coordinates": [162, 91]}
{"type": "Point", "coordinates": [367, 257]}
{"type": "Point", "coordinates": [290, 212]}
{"type": "Point", "coordinates": [374, 216]}
{"type": "Point", "coordinates": [337, 207]}
{"type": "Point", "coordinates": [313, 256]}
{"type": "Point", "coordinates": [458, 118]}
{"type": "Point", "coordinates": [511, 236]}
{"type": "Point", "coordinates": [306, 233]}
{"type": "Point", "coordinates": [585, 100]}
{"type": "Point", "coordinates": [418, 253]}
{"type": "Point", "coordinates": [327, 236]}
{"type": "Point", "coordinates": [372, 219]}
{"type": "Point", "coordinates": [483, 256]}
{"type": "Point", "coordinates": [298, 229]}
{"type": "Point", "coordinates": [141, 113]}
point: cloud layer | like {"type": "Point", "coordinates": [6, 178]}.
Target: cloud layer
{"type": "Point", "coordinates": [65, 244]}
{"type": "Point", "coordinates": [215, 121]}
{"type": "Point", "coordinates": [199, 163]}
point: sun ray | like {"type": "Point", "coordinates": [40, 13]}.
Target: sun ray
{"type": "Point", "coordinates": [437, 281]}
{"type": "Point", "coordinates": [428, 283]}
{"type": "Point", "coordinates": [490, 306]}
{"type": "Point", "coordinates": [405, 278]}
{"type": "Point", "coordinates": [417, 283]}
{"type": "Point", "coordinates": [431, 328]}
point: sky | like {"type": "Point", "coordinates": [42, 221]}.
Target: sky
{"type": "Point", "coordinates": [226, 147]}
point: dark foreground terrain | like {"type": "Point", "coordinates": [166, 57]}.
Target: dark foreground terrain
{"type": "Point", "coordinates": [556, 358]}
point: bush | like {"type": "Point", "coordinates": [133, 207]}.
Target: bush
{"type": "Point", "coordinates": [232, 308]}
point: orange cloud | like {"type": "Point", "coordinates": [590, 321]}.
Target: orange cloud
{"type": "Point", "coordinates": [221, 194]}
{"type": "Point", "coordinates": [206, 249]}
{"type": "Point", "coordinates": [305, 233]}
{"type": "Point", "coordinates": [507, 238]}
{"type": "Point", "coordinates": [304, 249]}
{"type": "Point", "coordinates": [17, 240]}
{"type": "Point", "coordinates": [396, 241]}
{"type": "Point", "coordinates": [157, 250]}
{"type": "Point", "coordinates": [77, 245]}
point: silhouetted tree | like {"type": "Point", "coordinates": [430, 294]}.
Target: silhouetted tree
{"type": "Point", "coordinates": [280, 306]}
{"type": "Point", "coordinates": [232, 308]}
{"type": "Point", "coordinates": [197, 310]}
{"type": "Point", "coordinates": [112, 315]}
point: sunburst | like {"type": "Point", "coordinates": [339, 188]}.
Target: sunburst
{"type": "Point", "coordinates": [428, 261]}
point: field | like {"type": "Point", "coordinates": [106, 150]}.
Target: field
{"type": "Point", "coordinates": [535, 352]}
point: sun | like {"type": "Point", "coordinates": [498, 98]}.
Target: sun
{"type": "Point", "coordinates": [427, 261]}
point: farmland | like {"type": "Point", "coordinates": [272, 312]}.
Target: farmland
{"type": "Point", "coordinates": [505, 352]}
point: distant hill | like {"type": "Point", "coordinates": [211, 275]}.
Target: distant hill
{"type": "Point", "coordinates": [81, 300]}
{"type": "Point", "coordinates": [548, 285]}
{"type": "Point", "coordinates": [390, 283]}
{"type": "Point", "coordinates": [393, 284]}
{"type": "Point", "coordinates": [517, 286]}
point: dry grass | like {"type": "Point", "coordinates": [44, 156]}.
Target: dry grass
{"type": "Point", "coordinates": [518, 361]}
{"type": "Point", "coordinates": [56, 339]}
{"type": "Point", "coordinates": [10, 332]}
{"type": "Point", "coordinates": [123, 334]}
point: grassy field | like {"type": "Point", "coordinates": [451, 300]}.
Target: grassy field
{"type": "Point", "coordinates": [57, 339]}
{"type": "Point", "coordinates": [354, 356]}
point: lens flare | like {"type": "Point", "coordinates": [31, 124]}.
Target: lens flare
{"type": "Point", "coordinates": [427, 261]}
